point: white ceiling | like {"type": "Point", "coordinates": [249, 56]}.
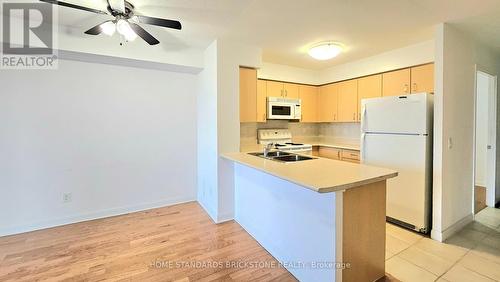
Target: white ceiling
{"type": "Point", "coordinates": [285, 28]}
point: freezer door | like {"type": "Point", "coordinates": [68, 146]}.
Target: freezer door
{"type": "Point", "coordinates": [398, 114]}
{"type": "Point", "coordinates": [408, 194]}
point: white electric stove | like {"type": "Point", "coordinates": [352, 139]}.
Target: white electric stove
{"type": "Point", "coordinates": [282, 140]}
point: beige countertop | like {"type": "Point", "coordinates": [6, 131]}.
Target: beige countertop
{"type": "Point", "coordinates": [320, 174]}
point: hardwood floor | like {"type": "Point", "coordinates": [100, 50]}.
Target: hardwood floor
{"type": "Point", "coordinates": [175, 243]}
{"type": "Point", "coordinates": [479, 198]}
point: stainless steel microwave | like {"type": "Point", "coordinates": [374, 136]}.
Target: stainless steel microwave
{"type": "Point", "coordinates": [282, 108]}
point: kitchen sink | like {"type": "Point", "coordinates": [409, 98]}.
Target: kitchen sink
{"type": "Point", "coordinates": [292, 158]}
{"type": "Point", "coordinates": [280, 156]}
{"type": "Point", "coordinates": [271, 154]}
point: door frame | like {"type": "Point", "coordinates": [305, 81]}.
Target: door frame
{"type": "Point", "coordinates": [491, 163]}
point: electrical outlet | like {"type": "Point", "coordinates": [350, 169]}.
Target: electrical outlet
{"type": "Point", "coordinates": [67, 197]}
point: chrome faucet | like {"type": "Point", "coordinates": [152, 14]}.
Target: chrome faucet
{"type": "Point", "coordinates": [268, 148]}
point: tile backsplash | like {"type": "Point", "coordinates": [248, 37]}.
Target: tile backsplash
{"type": "Point", "coordinates": [341, 132]}
{"type": "Point", "coordinates": [334, 132]}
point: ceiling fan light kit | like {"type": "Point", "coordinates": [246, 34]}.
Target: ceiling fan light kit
{"type": "Point", "coordinates": [123, 28]}
{"type": "Point", "coordinates": [108, 28]}
{"type": "Point", "coordinates": [125, 21]}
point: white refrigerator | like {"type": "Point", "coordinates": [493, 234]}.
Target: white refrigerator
{"type": "Point", "coordinates": [396, 133]}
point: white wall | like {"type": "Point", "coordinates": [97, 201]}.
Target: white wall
{"type": "Point", "coordinates": [220, 121]}
{"type": "Point", "coordinates": [288, 73]}
{"type": "Point", "coordinates": [172, 51]}
{"type": "Point", "coordinates": [416, 54]}
{"type": "Point", "coordinates": [207, 132]}
{"type": "Point", "coordinates": [481, 126]}
{"type": "Point", "coordinates": [118, 138]}
{"type": "Point", "coordinates": [230, 57]}
{"type": "Point", "coordinates": [456, 57]}
{"type": "Point", "coordinates": [292, 223]}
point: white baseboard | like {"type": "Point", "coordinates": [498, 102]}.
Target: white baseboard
{"type": "Point", "coordinates": [211, 213]}
{"type": "Point", "coordinates": [480, 184]}
{"type": "Point", "coordinates": [454, 228]}
{"type": "Point", "coordinates": [225, 217]}
{"type": "Point", "coordinates": [11, 230]}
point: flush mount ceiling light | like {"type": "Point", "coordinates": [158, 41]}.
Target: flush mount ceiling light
{"type": "Point", "coordinates": [325, 50]}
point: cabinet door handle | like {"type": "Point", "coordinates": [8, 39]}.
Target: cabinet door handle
{"type": "Point", "coordinates": [406, 88]}
{"type": "Point", "coordinates": [414, 87]}
{"type": "Point", "coordinates": [282, 93]}
{"type": "Point", "coordinates": [353, 116]}
{"type": "Point", "coordinates": [359, 116]}
{"type": "Point", "coordinates": [286, 93]}
{"type": "Point", "coordinates": [334, 116]}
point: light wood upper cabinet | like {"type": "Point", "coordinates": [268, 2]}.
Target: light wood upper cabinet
{"type": "Point", "coordinates": [328, 103]}
{"type": "Point", "coordinates": [275, 89]}
{"type": "Point", "coordinates": [282, 89]}
{"type": "Point", "coordinates": [291, 90]}
{"type": "Point", "coordinates": [309, 96]}
{"type": "Point", "coordinates": [335, 102]}
{"type": "Point", "coordinates": [422, 78]}
{"type": "Point", "coordinates": [248, 95]}
{"type": "Point", "coordinates": [396, 83]}
{"type": "Point", "coordinates": [348, 101]}
{"type": "Point", "coordinates": [369, 87]}
{"type": "Point", "coordinates": [261, 100]}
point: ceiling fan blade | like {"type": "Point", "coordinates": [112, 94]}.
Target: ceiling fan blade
{"type": "Point", "coordinates": [69, 5]}
{"type": "Point", "coordinates": [159, 22]}
{"type": "Point", "coordinates": [117, 5]}
{"type": "Point", "coordinates": [96, 30]}
{"type": "Point", "coordinates": [144, 34]}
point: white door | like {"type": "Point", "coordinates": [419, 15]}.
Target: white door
{"type": "Point", "coordinates": [485, 136]}
{"type": "Point", "coordinates": [397, 114]}
{"type": "Point", "coordinates": [408, 193]}
{"type": "Point", "coordinates": [491, 197]}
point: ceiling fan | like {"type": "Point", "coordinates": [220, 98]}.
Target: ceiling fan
{"type": "Point", "coordinates": [125, 22]}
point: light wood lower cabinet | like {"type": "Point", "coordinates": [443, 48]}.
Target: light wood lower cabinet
{"type": "Point", "coordinates": [352, 156]}
{"type": "Point", "coordinates": [363, 225]}
{"type": "Point", "coordinates": [330, 153]}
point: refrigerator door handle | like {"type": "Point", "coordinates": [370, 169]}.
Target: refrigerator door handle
{"type": "Point", "coordinates": [363, 117]}
{"type": "Point", "coordinates": [362, 149]}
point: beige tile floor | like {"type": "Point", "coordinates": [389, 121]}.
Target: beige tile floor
{"type": "Point", "coordinates": [473, 254]}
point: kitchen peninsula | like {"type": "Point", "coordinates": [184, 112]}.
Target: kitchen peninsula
{"type": "Point", "coordinates": [316, 215]}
